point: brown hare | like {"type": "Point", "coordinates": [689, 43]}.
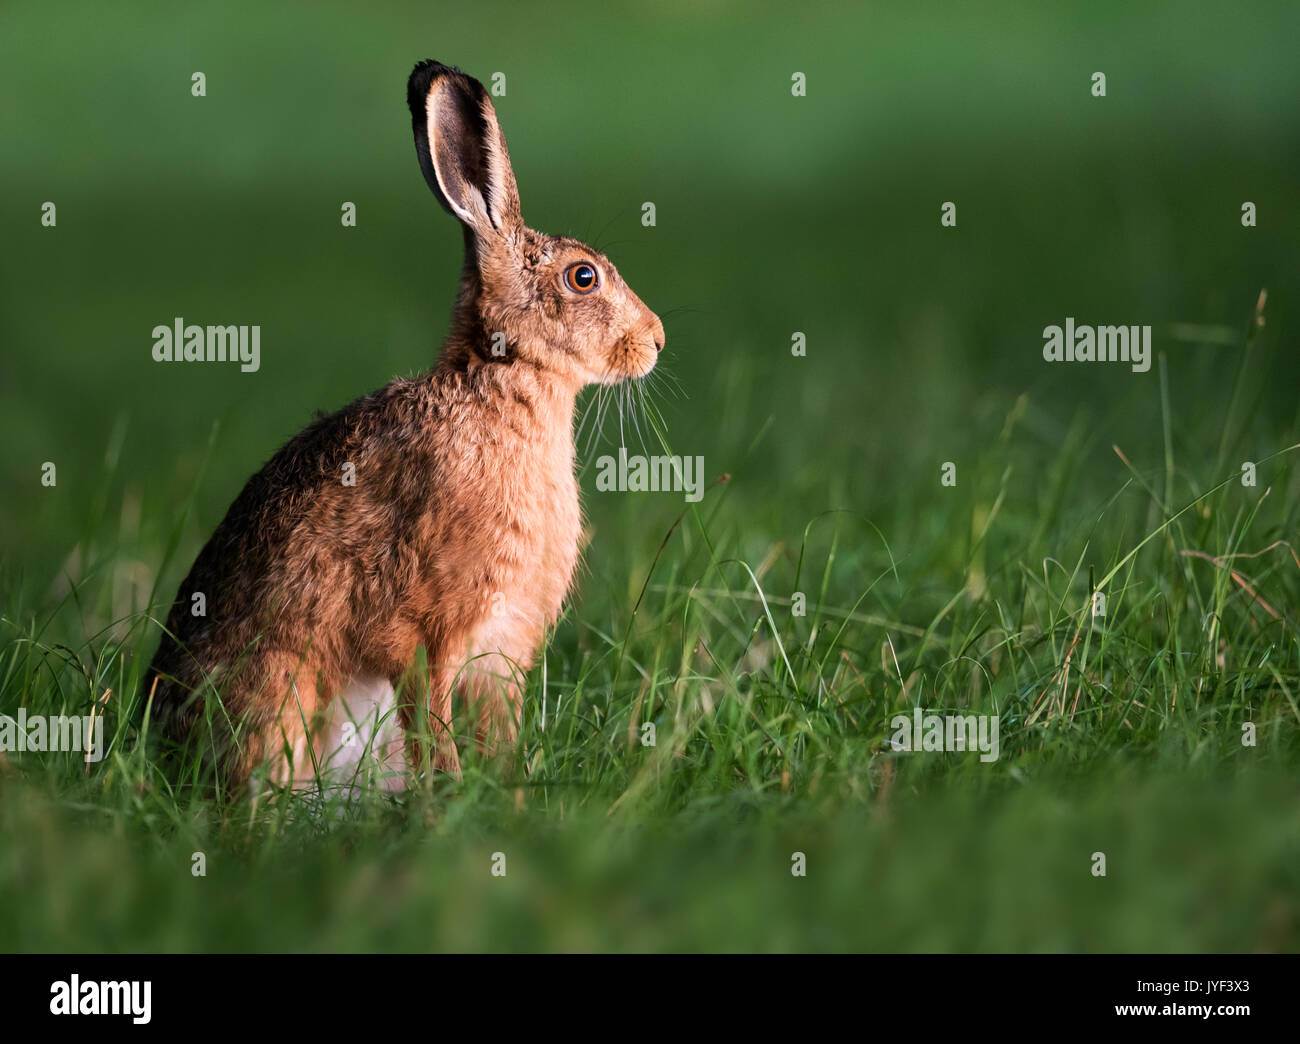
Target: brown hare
{"type": "Point", "coordinates": [439, 511]}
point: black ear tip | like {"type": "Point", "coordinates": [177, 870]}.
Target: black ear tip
{"type": "Point", "coordinates": [421, 79]}
{"type": "Point", "coordinates": [422, 76]}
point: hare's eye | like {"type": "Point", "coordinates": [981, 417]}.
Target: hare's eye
{"type": "Point", "coordinates": [581, 278]}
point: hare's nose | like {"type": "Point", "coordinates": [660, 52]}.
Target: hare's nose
{"type": "Point", "coordinates": [657, 331]}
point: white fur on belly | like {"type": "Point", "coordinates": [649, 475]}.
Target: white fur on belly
{"type": "Point", "coordinates": [361, 739]}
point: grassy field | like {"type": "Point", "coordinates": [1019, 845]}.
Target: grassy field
{"type": "Point", "coordinates": [1120, 734]}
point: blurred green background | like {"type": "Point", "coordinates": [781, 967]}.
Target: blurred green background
{"type": "Point", "coordinates": [775, 214]}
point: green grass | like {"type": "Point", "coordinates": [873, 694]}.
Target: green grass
{"type": "Point", "coordinates": [772, 737]}
{"type": "Point", "coordinates": [1119, 734]}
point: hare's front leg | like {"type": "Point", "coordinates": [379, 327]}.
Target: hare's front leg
{"type": "Point", "coordinates": [491, 687]}
{"type": "Point", "coordinates": [284, 703]}
{"type": "Point", "coordinates": [429, 716]}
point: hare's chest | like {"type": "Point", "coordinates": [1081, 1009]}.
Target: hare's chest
{"type": "Point", "coordinates": [530, 557]}
{"type": "Point", "coordinates": [553, 542]}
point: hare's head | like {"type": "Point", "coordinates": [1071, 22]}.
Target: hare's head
{"type": "Point", "coordinates": [547, 300]}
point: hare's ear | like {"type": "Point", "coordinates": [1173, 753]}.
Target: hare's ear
{"type": "Point", "coordinates": [462, 150]}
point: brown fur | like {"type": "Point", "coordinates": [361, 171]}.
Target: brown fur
{"type": "Point", "coordinates": [465, 499]}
